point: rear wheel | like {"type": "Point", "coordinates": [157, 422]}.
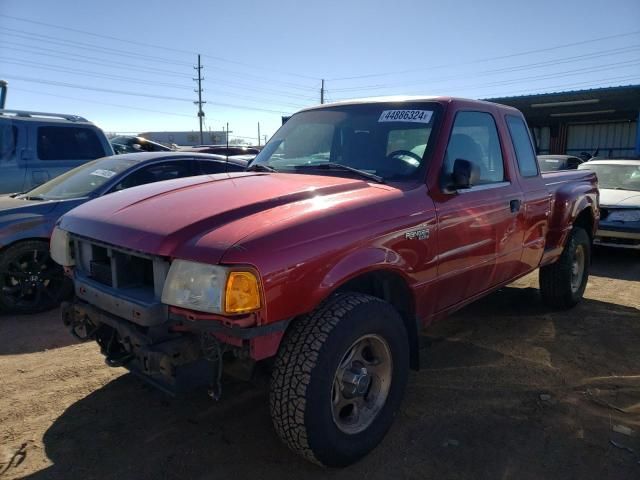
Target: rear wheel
{"type": "Point", "coordinates": [339, 378]}
{"type": "Point", "coordinates": [562, 283]}
{"type": "Point", "coordinates": [30, 281]}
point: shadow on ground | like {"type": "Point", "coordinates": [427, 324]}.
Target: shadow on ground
{"type": "Point", "coordinates": [474, 411]}
{"type": "Point", "coordinates": [33, 333]}
{"type": "Point", "coordinates": [616, 263]}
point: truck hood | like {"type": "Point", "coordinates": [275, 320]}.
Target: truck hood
{"type": "Point", "coordinates": [201, 217]}
{"type": "Point", "coordinates": [619, 198]}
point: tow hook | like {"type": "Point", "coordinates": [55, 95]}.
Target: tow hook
{"type": "Point", "coordinates": [79, 325]}
{"type": "Point", "coordinates": [118, 360]}
{"type": "Point", "coordinates": [212, 351]}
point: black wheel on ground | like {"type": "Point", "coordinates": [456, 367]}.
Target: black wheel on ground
{"type": "Point", "coordinates": [339, 379]}
{"type": "Point", "coordinates": [562, 283]}
{"type": "Point", "coordinates": [30, 281]}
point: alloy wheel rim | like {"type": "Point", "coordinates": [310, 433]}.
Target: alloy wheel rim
{"type": "Point", "coordinates": [361, 384]}
{"type": "Point", "coordinates": [577, 268]}
{"type": "Point", "coordinates": [31, 279]}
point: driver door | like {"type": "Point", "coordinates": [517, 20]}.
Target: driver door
{"type": "Point", "coordinates": [476, 226]}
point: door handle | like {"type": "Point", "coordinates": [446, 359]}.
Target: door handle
{"type": "Point", "coordinates": [514, 205]}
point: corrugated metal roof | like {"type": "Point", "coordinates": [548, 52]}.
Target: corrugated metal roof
{"type": "Point", "coordinates": [618, 103]}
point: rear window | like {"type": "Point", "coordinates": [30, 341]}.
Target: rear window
{"type": "Point", "coordinates": [68, 143]}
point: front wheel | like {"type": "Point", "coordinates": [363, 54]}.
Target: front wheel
{"type": "Point", "coordinates": [339, 378]}
{"type": "Point", "coordinates": [562, 283]}
{"type": "Point", "coordinates": [30, 281]}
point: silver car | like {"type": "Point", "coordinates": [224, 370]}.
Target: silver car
{"type": "Point", "coordinates": [619, 183]}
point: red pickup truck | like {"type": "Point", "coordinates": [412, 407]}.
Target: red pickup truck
{"type": "Point", "coordinates": [357, 225]}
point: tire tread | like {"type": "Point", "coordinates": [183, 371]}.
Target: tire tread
{"type": "Point", "coordinates": [296, 359]}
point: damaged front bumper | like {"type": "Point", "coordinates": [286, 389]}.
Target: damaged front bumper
{"type": "Point", "coordinates": [176, 356]}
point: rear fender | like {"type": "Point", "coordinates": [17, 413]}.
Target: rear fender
{"type": "Point", "coordinates": [570, 202]}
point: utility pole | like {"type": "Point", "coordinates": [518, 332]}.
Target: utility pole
{"type": "Point", "coordinates": [199, 92]}
{"type": "Point", "coordinates": [322, 92]}
{"type": "Point", "coordinates": [265, 139]}
{"type": "Point", "coordinates": [258, 133]}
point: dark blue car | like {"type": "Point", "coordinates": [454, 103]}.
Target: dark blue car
{"type": "Point", "coordinates": [29, 280]}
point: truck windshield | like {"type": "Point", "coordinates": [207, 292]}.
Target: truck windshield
{"type": "Point", "coordinates": [388, 141]}
{"type": "Point", "coordinates": [81, 181]}
{"type": "Point", "coordinates": [616, 176]}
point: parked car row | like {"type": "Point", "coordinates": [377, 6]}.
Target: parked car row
{"type": "Point", "coordinates": [619, 184]}
{"type": "Point", "coordinates": [133, 144]}
{"type": "Point", "coordinates": [36, 147]}
{"type": "Point", "coordinates": [29, 280]}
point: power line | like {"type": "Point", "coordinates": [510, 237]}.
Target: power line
{"type": "Point", "coordinates": [89, 73]}
{"type": "Point", "coordinates": [128, 107]}
{"type": "Point", "coordinates": [89, 46]}
{"type": "Point", "coordinates": [90, 59]}
{"type": "Point", "coordinates": [143, 57]}
{"type": "Point", "coordinates": [590, 83]}
{"type": "Point", "coordinates": [62, 69]}
{"type": "Point", "coordinates": [139, 94]}
{"type": "Point", "coordinates": [151, 45]}
{"type": "Point", "coordinates": [150, 70]}
{"type": "Point", "coordinates": [117, 52]}
{"type": "Point", "coordinates": [515, 68]}
{"type": "Point", "coordinates": [628, 63]}
{"type": "Point", "coordinates": [490, 59]}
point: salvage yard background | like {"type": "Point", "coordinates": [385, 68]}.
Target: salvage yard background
{"type": "Point", "coordinates": [508, 389]}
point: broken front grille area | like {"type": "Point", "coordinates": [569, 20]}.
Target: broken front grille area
{"type": "Point", "coordinates": [131, 274]}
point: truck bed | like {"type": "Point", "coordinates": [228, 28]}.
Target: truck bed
{"type": "Point", "coordinates": [554, 180]}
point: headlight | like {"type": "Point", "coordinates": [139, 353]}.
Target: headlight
{"type": "Point", "coordinates": [61, 248]}
{"type": "Point", "coordinates": [632, 215]}
{"type": "Point", "coordinates": [211, 288]}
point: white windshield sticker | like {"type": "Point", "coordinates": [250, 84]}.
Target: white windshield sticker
{"type": "Point", "coordinates": [103, 173]}
{"type": "Point", "coordinates": [417, 116]}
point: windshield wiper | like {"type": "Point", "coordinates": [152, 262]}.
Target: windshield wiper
{"type": "Point", "coordinates": [35, 197]}
{"type": "Point", "coordinates": [260, 167]}
{"type": "Point", "coordinates": [339, 166]}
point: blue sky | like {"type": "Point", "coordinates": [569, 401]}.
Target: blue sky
{"type": "Point", "coordinates": [265, 59]}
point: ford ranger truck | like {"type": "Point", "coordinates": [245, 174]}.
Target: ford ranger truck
{"type": "Point", "coordinates": [357, 225]}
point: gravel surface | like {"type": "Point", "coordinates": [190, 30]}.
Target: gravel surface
{"type": "Point", "coordinates": [508, 390]}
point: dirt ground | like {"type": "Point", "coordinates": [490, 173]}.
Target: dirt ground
{"type": "Point", "coordinates": [508, 390]}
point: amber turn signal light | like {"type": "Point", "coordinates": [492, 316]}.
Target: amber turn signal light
{"type": "Point", "coordinates": [242, 294]}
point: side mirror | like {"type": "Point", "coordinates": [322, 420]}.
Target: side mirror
{"type": "Point", "coordinates": [465, 174]}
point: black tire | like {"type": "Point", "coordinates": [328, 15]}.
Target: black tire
{"type": "Point", "coordinates": [556, 279]}
{"type": "Point", "coordinates": [30, 281]}
{"type": "Point", "coordinates": [305, 369]}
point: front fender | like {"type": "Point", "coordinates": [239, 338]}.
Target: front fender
{"type": "Point", "coordinates": [23, 227]}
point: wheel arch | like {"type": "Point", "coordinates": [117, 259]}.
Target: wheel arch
{"type": "Point", "coordinates": [586, 220]}
{"type": "Point", "coordinates": [392, 287]}
{"type": "Point", "coordinates": [16, 241]}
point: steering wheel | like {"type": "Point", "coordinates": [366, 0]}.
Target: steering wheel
{"type": "Point", "coordinates": [408, 166]}
{"type": "Point", "coordinates": [406, 153]}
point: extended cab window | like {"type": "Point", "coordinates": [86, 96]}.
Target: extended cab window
{"type": "Point", "coordinates": [525, 155]}
{"type": "Point", "coordinates": [68, 143]}
{"type": "Point", "coordinates": [474, 137]}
